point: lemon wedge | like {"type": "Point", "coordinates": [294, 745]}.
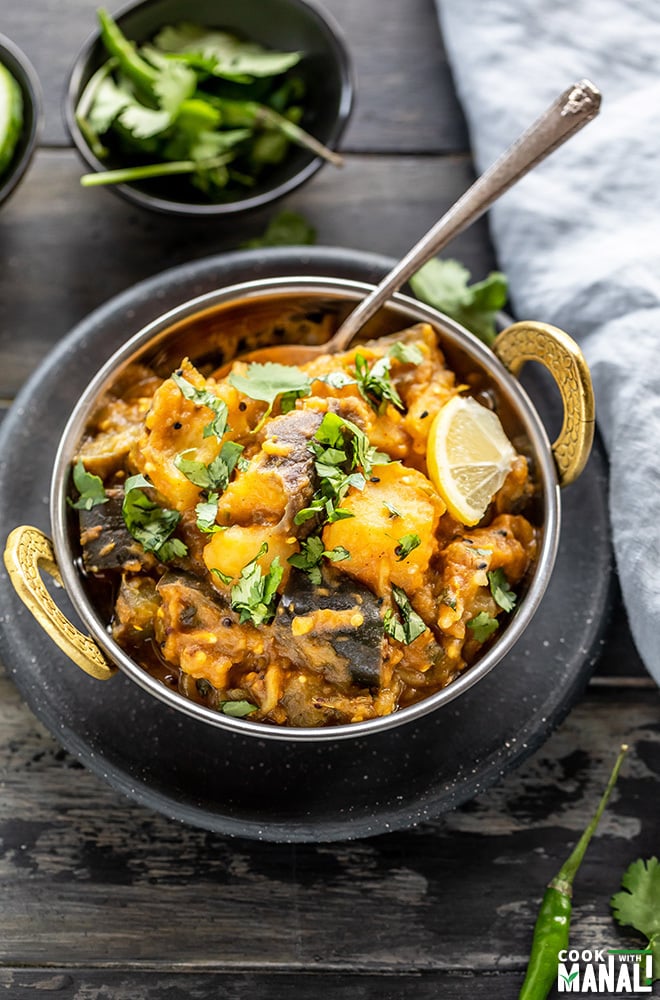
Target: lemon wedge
{"type": "Point", "coordinates": [468, 456]}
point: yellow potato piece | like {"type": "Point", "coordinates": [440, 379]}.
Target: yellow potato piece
{"type": "Point", "coordinates": [373, 534]}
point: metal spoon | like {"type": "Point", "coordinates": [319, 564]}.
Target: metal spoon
{"type": "Point", "coordinates": [565, 116]}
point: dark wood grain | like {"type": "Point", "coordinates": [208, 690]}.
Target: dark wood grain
{"type": "Point", "coordinates": [456, 894]}
{"type": "Point", "coordinates": [104, 900]}
{"type": "Point", "coordinates": [406, 100]}
{"type": "Point", "coordinates": [66, 250]}
{"type": "Point", "coordinates": [155, 985]}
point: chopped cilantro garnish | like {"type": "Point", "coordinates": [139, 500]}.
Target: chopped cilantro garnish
{"type": "Point", "coordinates": [375, 384]}
{"type": "Point", "coordinates": [215, 475]}
{"type": "Point", "coordinates": [90, 487]}
{"type": "Point", "coordinates": [204, 397]}
{"type": "Point", "coordinates": [237, 709]}
{"type": "Point", "coordinates": [336, 380]}
{"type": "Point", "coordinates": [254, 594]}
{"type": "Point", "coordinates": [149, 524]}
{"type": "Point", "coordinates": [406, 545]}
{"type": "Point", "coordinates": [407, 625]}
{"type": "Point", "coordinates": [266, 382]}
{"type": "Point", "coordinates": [223, 577]}
{"type": "Point", "coordinates": [343, 458]}
{"type": "Point", "coordinates": [407, 354]}
{"type": "Point", "coordinates": [501, 591]}
{"type": "Point", "coordinates": [310, 556]}
{"type": "Point", "coordinates": [206, 512]}
{"type": "Point", "coordinates": [482, 626]}
{"type": "Point", "coordinates": [392, 509]}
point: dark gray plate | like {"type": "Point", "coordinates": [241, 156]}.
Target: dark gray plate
{"type": "Point", "coordinates": [268, 789]}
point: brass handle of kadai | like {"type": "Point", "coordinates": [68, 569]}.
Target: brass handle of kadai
{"type": "Point", "coordinates": [531, 341]}
{"type": "Point", "coordinates": [27, 552]}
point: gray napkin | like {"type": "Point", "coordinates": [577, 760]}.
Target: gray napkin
{"type": "Point", "coordinates": [579, 237]}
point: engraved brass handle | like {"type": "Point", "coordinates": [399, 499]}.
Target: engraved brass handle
{"type": "Point", "coordinates": [529, 341]}
{"type": "Point", "coordinates": [28, 551]}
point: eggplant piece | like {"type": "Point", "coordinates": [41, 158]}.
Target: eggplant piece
{"type": "Point", "coordinates": [135, 610]}
{"type": "Point", "coordinates": [296, 470]}
{"type": "Point", "coordinates": [335, 627]}
{"type": "Point", "coordinates": [199, 604]}
{"type": "Point", "coordinates": [106, 542]}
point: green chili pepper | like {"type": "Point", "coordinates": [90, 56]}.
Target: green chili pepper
{"type": "Point", "coordinates": [129, 61]}
{"type": "Point", "coordinates": [554, 919]}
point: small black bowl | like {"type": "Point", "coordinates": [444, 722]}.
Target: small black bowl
{"type": "Point", "coordinates": [278, 24]}
{"type": "Point", "coordinates": [24, 74]}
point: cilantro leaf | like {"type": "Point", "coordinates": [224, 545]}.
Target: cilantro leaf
{"type": "Point", "coordinates": [406, 545]}
{"type": "Point", "coordinates": [392, 509]}
{"type": "Point", "coordinates": [310, 556]}
{"type": "Point", "coordinates": [285, 229]}
{"type": "Point", "coordinates": [204, 397]}
{"type": "Point", "coordinates": [149, 524]}
{"type": "Point", "coordinates": [639, 904]}
{"type": "Point", "coordinates": [223, 577]}
{"type": "Point", "coordinates": [269, 380]}
{"type": "Point", "coordinates": [90, 487]}
{"type": "Point", "coordinates": [215, 475]}
{"type": "Point", "coordinates": [407, 354]}
{"type": "Point", "coordinates": [501, 591]}
{"type": "Point", "coordinates": [406, 626]}
{"type": "Point", "coordinates": [483, 626]}
{"type": "Point", "coordinates": [336, 380]}
{"type": "Point", "coordinates": [344, 458]}
{"type": "Point", "coordinates": [375, 385]}
{"type": "Point", "coordinates": [237, 709]}
{"type": "Point", "coordinates": [255, 591]}
{"type": "Point", "coordinates": [109, 101]}
{"type": "Point", "coordinates": [266, 382]}
{"type": "Point", "coordinates": [443, 284]}
{"type": "Point", "coordinates": [223, 54]}
{"type": "Point", "coordinates": [206, 512]}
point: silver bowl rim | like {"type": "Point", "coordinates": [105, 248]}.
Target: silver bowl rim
{"type": "Point", "coordinates": [344, 288]}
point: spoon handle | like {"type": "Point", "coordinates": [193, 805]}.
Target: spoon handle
{"type": "Point", "coordinates": [565, 116]}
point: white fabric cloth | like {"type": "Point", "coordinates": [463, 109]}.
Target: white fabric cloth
{"type": "Point", "coordinates": [579, 238]}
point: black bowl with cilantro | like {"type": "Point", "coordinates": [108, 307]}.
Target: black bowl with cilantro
{"type": "Point", "coordinates": [209, 107]}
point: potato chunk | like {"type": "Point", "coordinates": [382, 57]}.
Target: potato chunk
{"type": "Point", "coordinates": [395, 502]}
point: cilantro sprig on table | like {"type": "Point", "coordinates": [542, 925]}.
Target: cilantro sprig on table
{"type": "Point", "coordinates": [638, 904]}
{"type": "Point", "coordinates": [197, 102]}
{"type": "Point", "coordinates": [444, 284]}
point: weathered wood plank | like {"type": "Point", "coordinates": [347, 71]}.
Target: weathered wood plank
{"type": "Point", "coordinates": [155, 985]}
{"type": "Point", "coordinates": [406, 98]}
{"type": "Point", "coordinates": [88, 878]}
{"type": "Point", "coordinates": [66, 250]}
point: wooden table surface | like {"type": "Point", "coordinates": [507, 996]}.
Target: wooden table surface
{"type": "Point", "coordinates": [101, 898]}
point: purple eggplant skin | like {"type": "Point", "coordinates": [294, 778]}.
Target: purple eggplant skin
{"type": "Point", "coordinates": [357, 653]}
{"type": "Point", "coordinates": [106, 542]}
